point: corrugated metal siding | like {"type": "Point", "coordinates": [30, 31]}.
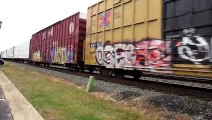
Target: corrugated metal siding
{"type": "Point", "coordinates": [60, 42]}
{"type": "Point", "coordinates": [19, 51]}
{"type": "Point", "coordinates": [184, 14]}
{"type": "Point", "coordinates": [10, 52]}
{"type": "Point", "coordinates": [82, 37]}
{"type": "Point", "coordinates": [119, 21]}
{"type": "Point", "coordinates": [181, 15]}
{"type": "Point", "coordinates": [22, 51]}
{"type": "Point", "coordinates": [35, 48]}
{"type": "Point", "coordinates": [4, 54]}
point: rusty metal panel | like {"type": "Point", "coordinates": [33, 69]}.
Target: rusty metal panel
{"type": "Point", "coordinates": [68, 46]}
{"type": "Point", "coordinates": [118, 23]}
{"type": "Point", "coordinates": [61, 42]}
{"type": "Point", "coordinates": [44, 45]}
{"type": "Point", "coordinates": [35, 47]}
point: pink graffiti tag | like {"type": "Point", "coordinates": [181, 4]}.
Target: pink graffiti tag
{"type": "Point", "coordinates": [147, 53]}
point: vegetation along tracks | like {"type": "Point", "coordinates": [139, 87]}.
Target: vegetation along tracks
{"type": "Point", "coordinates": [166, 84]}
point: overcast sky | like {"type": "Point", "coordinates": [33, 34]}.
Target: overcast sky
{"type": "Point", "coordinates": [22, 18]}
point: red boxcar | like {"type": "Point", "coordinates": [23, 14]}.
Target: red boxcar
{"type": "Point", "coordinates": [60, 43]}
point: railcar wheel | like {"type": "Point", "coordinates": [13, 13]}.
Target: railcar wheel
{"type": "Point", "coordinates": [82, 69]}
{"type": "Point", "coordinates": [71, 67]}
{"type": "Point", "coordinates": [104, 72]}
{"type": "Point", "coordinates": [136, 75]}
{"type": "Point", "coordinates": [119, 73]}
{"type": "Point", "coordinates": [91, 70]}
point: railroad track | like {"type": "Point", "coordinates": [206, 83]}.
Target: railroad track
{"type": "Point", "coordinates": [180, 77]}
{"type": "Point", "coordinates": [166, 84]}
{"type": "Point", "coordinates": [158, 75]}
{"type": "Point", "coordinates": [192, 82]}
{"type": "Point", "coordinates": [170, 85]}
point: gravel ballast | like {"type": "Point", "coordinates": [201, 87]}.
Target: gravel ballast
{"type": "Point", "coordinates": [198, 109]}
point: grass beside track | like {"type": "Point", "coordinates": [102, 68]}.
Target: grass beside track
{"type": "Point", "coordinates": [56, 100]}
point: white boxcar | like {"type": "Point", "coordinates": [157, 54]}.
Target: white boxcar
{"type": "Point", "coordinates": [17, 52]}
{"type": "Point", "coordinates": [4, 54]}
{"type": "Point", "coordinates": [22, 51]}
{"type": "Point", "coordinates": [10, 52]}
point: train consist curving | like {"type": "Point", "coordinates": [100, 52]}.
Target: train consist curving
{"type": "Point", "coordinates": [130, 37]}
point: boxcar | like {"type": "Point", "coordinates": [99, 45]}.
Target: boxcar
{"type": "Point", "coordinates": [188, 25]}
{"type": "Point", "coordinates": [17, 53]}
{"type": "Point", "coordinates": [10, 53]}
{"type": "Point", "coordinates": [60, 43]}
{"type": "Point", "coordinates": [131, 36]}
{"type": "Point", "coordinates": [3, 54]}
{"type": "Point", "coordinates": [22, 51]}
{"type": "Point", "coordinates": [120, 33]}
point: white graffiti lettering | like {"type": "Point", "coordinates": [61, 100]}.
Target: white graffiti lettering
{"type": "Point", "coordinates": [115, 56]}
{"type": "Point", "coordinates": [195, 49]}
{"type": "Point", "coordinates": [108, 56]}
{"type": "Point", "coordinates": [129, 56]}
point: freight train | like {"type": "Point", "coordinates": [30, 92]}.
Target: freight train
{"type": "Point", "coordinates": [129, 37]}
{"type": "Point", "coordinates": [18, 53]}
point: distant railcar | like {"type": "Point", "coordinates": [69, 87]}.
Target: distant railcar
{"type": "Point", "coordinates": [17, 53]}
{"type": "Point", "coordinates": [21, 52]}
{"type": "Point", "coordinates": [4, 54]}
{"type": "Point", "coordinates": [60, 43]}
{"type": "Point", "coordinates": [10, 53]}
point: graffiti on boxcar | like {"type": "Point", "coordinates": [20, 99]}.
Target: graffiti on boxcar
{"type": "Point", "coordinates": [105, 19]}
{"type": "Point", "coordinates": [71, 27]}
{"type": "Point", "coordinates": [196, 50]}
{"type": "Point", "coordinates": [36, 56]}
{"type": "Point", "coordinates": [147, 53]}
{"type": "Point", "coordinates": [153, 53]}
{"type": "Point", "coordinates": [50, 32]}
{"type": "Point", "coordinates": [61, 55]}
{"type": "Point", "coordinates": [193, 47]}
{"type": "Point", "coordinates": [96, 44]}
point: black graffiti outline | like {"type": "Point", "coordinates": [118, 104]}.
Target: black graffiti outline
{"type": "Point", "coordinates": [185, 51]}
